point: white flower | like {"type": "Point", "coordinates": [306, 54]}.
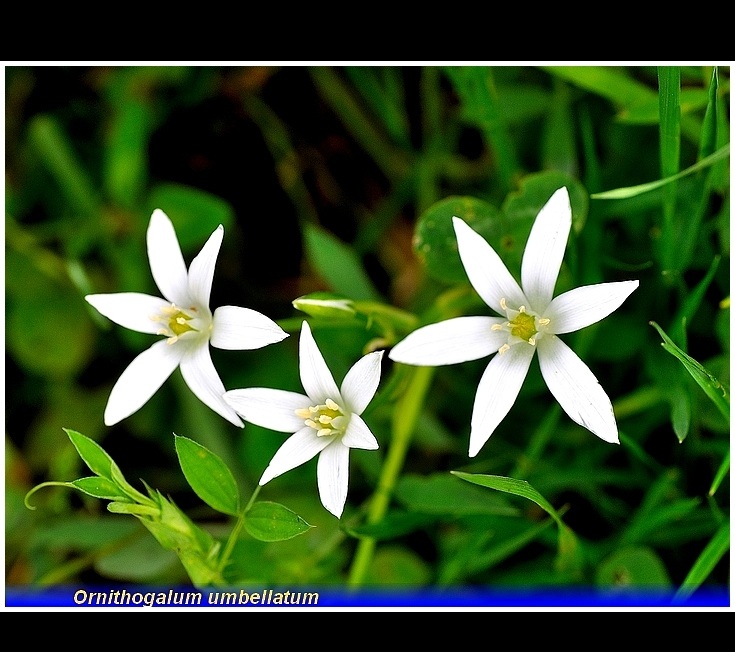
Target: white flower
{"type": "Point", "coordinates": [325, 422]}
{"type": "Point", "coordinates": [184, 317]}
{"type": "Point", "coordinates": [531, 321]}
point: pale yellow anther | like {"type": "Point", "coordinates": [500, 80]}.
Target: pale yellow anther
{"type": "Point", "coordinates": [324, 432]}
{"type": "Point", "coordinates": [312, 424]}
{"type": "Point", "coordinates": [503, 349]}
{"type": "Point", "coordinates": [496, 327]}
{"type": "Point", "coordinates": [544, 321]}
{"type": "Point", "coordinates": [532, 341]}
{"type": "Point", "coordinates": [522, 309]}
{"type": "Point", "coordinates": [325, 419]}
{"type": "Point", "coordinates": [503, 304]}
{"type": "Point", "coordinates": [304, 413]}
{"type": "Point", "coordinates": [331, 404]}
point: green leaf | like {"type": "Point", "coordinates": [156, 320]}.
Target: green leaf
{"type": "Point", "coordinates": [634, 566]}
{"type": "Point", "coordinates": [268, 521]}
{"type": "Point", "coordinates": [569, 557]}
{"type": "Point", "coordinates": [633, 191]}
{"type": "Point", "coordinates": [338, 264]}
{"type": "Point", "coordinates": [718, 545]}
{"type": "Point", "coordinates": [208, 476]}
{"type": "Point", "coordinates": [711, 386]}
{"type": "Point", "coordinates": [510, 486]}
{"type": "Point", "coordinates": [435, 242]}
{"type": "Point", "coordinates": [99, 488]}
{"type": "Point", "coordinates": [94, 456]}
{"type": "Point", "coordinates": [439, 493]}
{"type": "Point", "coordinates": [194, 212]}
{"type": "Point", "coordinates": [720, 475]}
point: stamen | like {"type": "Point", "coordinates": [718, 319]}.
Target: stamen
{"type": "Point", "coordinates": [503, 349]}
{"type": "Point", "coordinates": [304, 413]}
{"type": "Point", "coordinates": [522, 309]}
{"type": "Point", "coordinates": [503, 304]}
{"type": "Point", "coordinates": [325, 419]}
{"type": "Point", "coordinates": [331, 404]}
{"type": "Point", "coordinates": [496, 327]}
{"type": "Point", "coordinates": [324, 432]}
{"type": "Point", "coordinates": [532, 341]}
{"type": "Point", "coordinates": [544, 321]}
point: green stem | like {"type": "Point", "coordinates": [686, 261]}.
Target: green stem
{"type": "Point", "coordinates": [232, 539]}
{"type": "Point", "coordinates": [405, 417]}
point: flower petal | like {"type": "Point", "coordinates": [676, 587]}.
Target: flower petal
{"type": "Point", "coordinates": [236, 328]}
{"type": "Point", "coordinates": [295, 451]}
{"type": "Point", "coordinates": [486, 271]}
{"type": "Point", "coordinates": [201, 270]}
{"type": "Point", "coordinates": [143, 376]}
{"type": "Point", "coordinates": [166, 260]}
{"type": "Point", "coordinates": [361, 382]}
{"type": "Point", "coordinates": [202, 378]}
{"type": "Point", "coordinates": [332, 472]}
{"type": "Point", "coordinates": [450, 341]}
{"type": "Point", "coordinates": [576, 389]}
{"type": "Point", "coordinates": [269, 408]}
{"type": "Point", "coordinates": [544, 250]}
{"type": "Point", "coordinates": [497, 391]}
{"type": "Point", "coordinates": [316, 378]}
{"type": "Point", "coordinates": [132, 310]}
{"type": "Point", "coordinates": [586, 305]}
{"type": "Point", "coordinates": [358, 435]}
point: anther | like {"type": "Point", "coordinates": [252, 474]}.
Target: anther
{"type": "Point", "coordinates": [503, 349]}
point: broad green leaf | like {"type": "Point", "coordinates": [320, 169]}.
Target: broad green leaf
{"type": "Point", "coordinates": [435, 241]}
{"type": "Point", "coordinates": [337, 263]}
{"type": "Point", "coordinates": [633, 191]}
{"type": "Point", "coordinates": [269, 521]}
{"type": "Point", "coordinates": [441, 494]}
{"type": "Point", "coordinates": [711, 386]}
{"type": "Point", "coordinates": [715, 550]}
{"type": "Point", "coordinates": [194, 212]}
{"type": "Point", "coordinates": [634, 566]}
{"type": "Point", "coordinates": [568, 559]}
{"type": "Point", "coordinates": [99, 488]}
{"type": "Point", "coordinates": [208, 476]}
{"type": "Point", "coordinates": [510, 486]}
{"type": "Point", "coordinates": [49, 333]}
{"type": "Point", "coordinates": [93, 455]}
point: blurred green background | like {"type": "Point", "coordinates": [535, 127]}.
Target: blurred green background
{"type": "Point", "coordinates": [323, 178]}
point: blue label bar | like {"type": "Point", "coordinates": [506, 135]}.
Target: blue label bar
{"type": "Point", "coordinates": [288, 597]}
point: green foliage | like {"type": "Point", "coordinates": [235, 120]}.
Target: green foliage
{"type": "Point", "coordinates": [336, 186]}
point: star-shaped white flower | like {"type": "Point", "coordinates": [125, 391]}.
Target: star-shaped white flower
{"type": "Point", "coordinates": [184, 317]}
{"type": "Point", "coordinates": [531, 321]}
{"type": "Point", "coordinates": [325, 422]}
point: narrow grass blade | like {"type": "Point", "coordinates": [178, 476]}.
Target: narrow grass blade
{"type": "Point", "coordinates": [718, 545]}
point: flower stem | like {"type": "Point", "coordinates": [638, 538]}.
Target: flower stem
{"type": "Point", "coordinates": [232, 539]}
{"type": "Point", "coordinates": [405, 416]}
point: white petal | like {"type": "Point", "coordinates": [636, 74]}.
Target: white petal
{"type": "Point", "coordinates": [544, 250]}
{"type": "Point", "coordinates": [486, 271]}
{"type": "Point", "coordinates": [270, 408]}
{"type": "Point", "coordinates": [497, 391]}
{"type": "Point", "coordinates": [332, 472]}
{"type": "Point", "coordinates": [358, 435]}
{"type": "Point", "coordinates": [586, 305]}
{"type": "Point", "coordinates": [143, 376]}
{"type": "Point", "coordinates": [201, 270]}
{"type": "Point", "coordinates": [316, 378]}
{"type": "Point", "coordinates": [202, 379]}
{"type": "Point", "coordinates": [236, 328]}
{"type": "Point", "coordinates": [576, 388]}
{"type": "Point", "coordinates": [132, 310]}
{"type": "Point", "coordinates": [299, 448]}
{"type": "Point", "coordinates": [361, 382]}
{"type": "Point", "coordinates": [450, 341]}
{"type": "Point", "coordinates": [166, 260]}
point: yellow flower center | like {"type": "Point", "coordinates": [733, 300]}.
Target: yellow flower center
{"type": "Point", "coordinates": [327, 419]}
{"type": "Point", "coordinates": [522, 326]}
{"type": "Point", "coordinates": [176, 321]}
